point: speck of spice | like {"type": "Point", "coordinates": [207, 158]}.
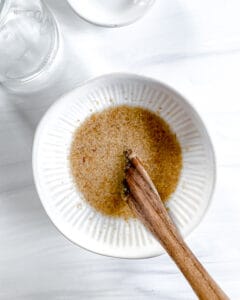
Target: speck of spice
{"type": "Point", "coordinates": [97, 160]}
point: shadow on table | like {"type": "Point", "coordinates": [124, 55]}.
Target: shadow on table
{"type": "Point", "coordinates": [176, 35]}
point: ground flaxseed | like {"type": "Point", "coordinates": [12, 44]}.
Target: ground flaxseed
{"type": "Point", "coordinates": [97, 159]}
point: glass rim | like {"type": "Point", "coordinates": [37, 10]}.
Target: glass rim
{"type": "Point", "coordinates": [3, 9]}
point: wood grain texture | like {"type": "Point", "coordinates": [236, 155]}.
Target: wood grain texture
{"type": "Point", "coordinates": [147, 205]}
{"type": "Point", "coordinates": [195, 48]}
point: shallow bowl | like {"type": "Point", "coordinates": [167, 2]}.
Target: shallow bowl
{"type": "Point", "coordinates": [111, 13]}
{"type": "Point", "coordinates": [66, 206]}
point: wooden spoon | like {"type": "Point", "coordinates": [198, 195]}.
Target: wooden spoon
{"type": "Point", "coordinates": [144, 200]}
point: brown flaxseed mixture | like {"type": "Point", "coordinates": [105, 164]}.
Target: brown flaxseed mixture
{"type": "Point", "coordinates": [97, 159]}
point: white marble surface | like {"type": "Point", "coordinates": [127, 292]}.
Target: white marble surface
{"type": "Point", "coordinates": [195, 47]}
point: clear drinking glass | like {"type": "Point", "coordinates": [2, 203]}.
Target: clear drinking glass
{"type": "Point", "coordinates": [28, 42]}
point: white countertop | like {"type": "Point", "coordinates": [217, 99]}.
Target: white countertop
{"type": "Point", "coordinates": [193, 46]}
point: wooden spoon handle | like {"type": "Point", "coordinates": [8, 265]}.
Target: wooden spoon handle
{"type": "Point", "coordinates": [145, 201]}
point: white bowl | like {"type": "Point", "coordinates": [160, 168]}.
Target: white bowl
{"type": "Point", "coordinates": [111, 13]}
{"type": "Point", "coordinates": [66, 206]}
